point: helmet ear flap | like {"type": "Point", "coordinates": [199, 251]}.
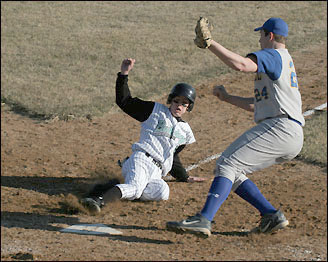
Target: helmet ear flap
{"type": "Point", "coordinates": [190, 107]}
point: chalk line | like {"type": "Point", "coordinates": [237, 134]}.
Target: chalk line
{"type": "Point", "coordinates": [318, 108]}
{"type": "Point", "coordinates": [208, 159]}
{"type": "Point", "coordinates": [216, 156]}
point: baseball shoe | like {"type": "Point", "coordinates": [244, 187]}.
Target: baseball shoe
{"type": "Point", "coordinates": [197, 224]}
{"type": "Point", "coordinates": [93, 204]}
{"type": "Point", "coordinates": [271, 223]}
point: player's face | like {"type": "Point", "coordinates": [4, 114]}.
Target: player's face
{"type": "Point", "coordinates": [264, 40]}
{"type": "Point", "coordinates": [179, 106]}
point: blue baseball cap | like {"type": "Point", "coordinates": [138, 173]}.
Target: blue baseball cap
{"type": "Point", "coordinates": [276, 26]}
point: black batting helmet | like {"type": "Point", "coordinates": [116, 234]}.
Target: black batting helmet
{"type": "Point", "coordinates": [183, 89]}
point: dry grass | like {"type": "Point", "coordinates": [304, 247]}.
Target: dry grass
{"type": "Point", "coordinates": [315, 140]}
{"type": "Point", "coordinates": [61, 58]}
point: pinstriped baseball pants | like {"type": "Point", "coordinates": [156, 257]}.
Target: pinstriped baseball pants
{"type": "Point", "coordinates": [143, 179]}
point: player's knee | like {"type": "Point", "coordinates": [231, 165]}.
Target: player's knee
{"type": "Point", "coordinates": [138, 193]}
{"type": "Point", "coordinates": [241, 178]}
{"type": "Point", "coordinates": [156, 190]}
{"type": "Point", "coordinates": [165, 193]}
{"type": "Point", "coordinates": [225, 169]}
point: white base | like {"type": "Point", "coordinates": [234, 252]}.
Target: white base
{"type": "Point", "coordinates": [91, 229]}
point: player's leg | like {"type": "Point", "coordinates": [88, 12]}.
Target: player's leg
{"type": "Point", "coordinates": [218, 193]}
{"type": "Point", "coordinates": [271, 218]}
{"type": "Point", "coordinates": [225, 174]}
{"type": "Point", "coordinates": [266, 144]}
{"type": "Point", "coordinates": [101, 188]}
{"type": "Point", "coordinates": [136, 172]}
{"type": "Point", "coordinates": [201, 222]}
{"type": "Point", "coordinates": [238, 157]}
{"type": "Point", "coordinates": [94, 200]}
{"type": "Point", "coordinates": [282, 147]}
{"type": "Point", "coordinates": [156, 190]}
{"type": "Point", "coordinates": [250, 193]}
{"type": "Point", "coordinates": [259, 147]}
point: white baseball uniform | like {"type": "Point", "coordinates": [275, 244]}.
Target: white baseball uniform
{"type": "Point", "coordinates": [161, 136]}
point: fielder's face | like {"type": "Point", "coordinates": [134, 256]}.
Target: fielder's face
{"type": "Point", "coordinates": [265, 40]}
{"type": "Point", "coordinates": [179, 106]}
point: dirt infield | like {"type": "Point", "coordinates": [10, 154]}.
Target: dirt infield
{"type": "Point", "coordinates": [46, 166]}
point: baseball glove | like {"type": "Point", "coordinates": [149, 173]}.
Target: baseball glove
{"type": "Point", "coordinates": [203, 33]}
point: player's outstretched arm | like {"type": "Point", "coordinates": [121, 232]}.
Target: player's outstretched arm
{"type": "Point", "coordinates": [204, 40]}
{"type": "Point", "coordinates": [231, 59]}
{"type": "Point", "coordinates": [246, 103]}
{"type": "Point", "coordinates": [134, 107]}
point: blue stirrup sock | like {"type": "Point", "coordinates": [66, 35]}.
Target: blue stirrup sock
{"type": "Point", "coordinates": [218, 192]}
{"type": "Point", "coordinates": [249, 192]}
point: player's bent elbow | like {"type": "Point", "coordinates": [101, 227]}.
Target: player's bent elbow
{"type": "Point", "coordinates": [246, 69]}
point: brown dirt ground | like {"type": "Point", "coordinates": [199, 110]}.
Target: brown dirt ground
{"type": "Point", "coordinates": [46, 166]}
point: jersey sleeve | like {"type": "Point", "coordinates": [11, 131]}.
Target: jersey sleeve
{"type": "Point", "coordinates": [190, 137]}
{"type": "Point", "coordinates": [268, 62]}
{"type": "Point", "coordinates": [134, 107]}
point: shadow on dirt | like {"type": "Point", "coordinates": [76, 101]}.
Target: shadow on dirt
{"type": "Point", "coordinates": [133, 227]}
{"type": "Point", "coordinates": [43, 222]}
{"type": "Point", "coordinates": [20, 109]}
{"type": "Point", "coordinates": [69, 189]}
{"type": "Point", "coordinates": [312, 162]}
{"type": "Point", "coordinates": [141, 240]}
{"type": "Point", "coordinates": [48, 185]}
{"type": "Point", "coordinates": [233, 233]}
{"type": "Point", "coordinates": [138, 239]}
{"type": "Point", "coordinates": [34, 220]}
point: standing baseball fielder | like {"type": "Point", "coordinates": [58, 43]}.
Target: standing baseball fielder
{"type": "Point", "coordinates": [277, 137]}
{"type": "Point", "coordinates": [163, 135]}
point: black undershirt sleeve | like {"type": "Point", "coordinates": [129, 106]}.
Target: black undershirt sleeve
{"type": "Point", "coordinates": [133, 106]}
{"type": "Point", "coordinates": [178, 171]}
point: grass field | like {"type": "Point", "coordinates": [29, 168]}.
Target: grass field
{"type": "Point", "coordinates": [315, 140]}
{"type": "Point", "coordinates": [61, 58]}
